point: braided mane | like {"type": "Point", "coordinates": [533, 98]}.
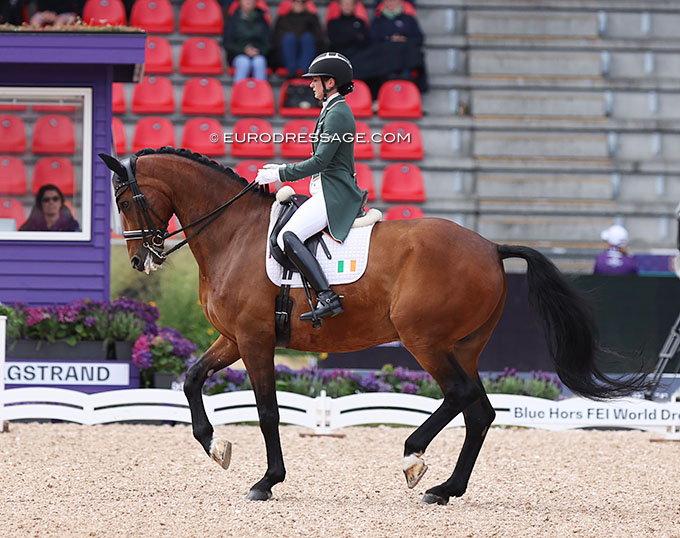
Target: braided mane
{"type": "Point", "coordinates": [202, 159]}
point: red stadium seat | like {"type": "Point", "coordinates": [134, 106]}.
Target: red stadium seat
{"type": "Point", "coordinates": [12, 107]}
{"type": "Point", "coordinates": [119, 137]}
{"type": "Point", "coordinates": [404, 212]}
{"type": "Point", "coordinates": [196, 136]}
{"type": "Point", "coordinates": [252, 137]}
{"type": "Point", "coordinates": [248, 169]}
{"type": "Point", "coordinates": [300, 187]}
{"type": "Point", "coordinates": [365, 179]}
{"type": "Point", "coordinates": [402, 182]}
{"type": "Point", "coordinates": [252, 97]}
{"type": "Point", "coordinates": [153, 95]}
{"type": "Point", "coordinates": [407, 7]}
{"type": "Point", "coordinates": [259, 4]}
{"type": "Point", "coordinates": [12, 209]}
{"type": "Point", "coordinates": [64, 109]}
{"type": "Point", "coordinates": [201, 56]}
{"type": "Point", "coordinates": [12, 175]}
{"type": "Point", "coordinates": [300, 145]}
{"type": "Point", "coordinates": [360, 100]}
{"type": "Point", "coordinates": [203, 95]}
{"type": "Point", "coordinates": [56, 171]}
{"type": "Point", "coordinates": [363, 146]}
{"type": "Point", "coordinates": [158, 59]}
{"type": "Point", "coordinates": [286, 5]}
{"type": "Point", "coordinates": [104, 12]}
{"type": "Point", "coordinates": [54, 134]}
{"type": "Point", "coordinates": [119, 105]}
{"type": "Point", "coordinates": [311, 112]}
{"type": "Point", "coordinates": [12, 134]}
{"type": "Point", "coordinates": [401, 140]}
{"type": "Point", "coordinates": [399, 99]}
{"type": "Point", "coordinates": [201, 17]}
{"type": "Point", "coordinates": [333, 11]}
{"type": "Point", "coordinates": [154, 16]}
{"type": "Point", "coordinates": [153, 132]}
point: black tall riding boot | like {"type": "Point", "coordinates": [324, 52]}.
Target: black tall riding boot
{"type": "Point", "coordinates": [328, 301]}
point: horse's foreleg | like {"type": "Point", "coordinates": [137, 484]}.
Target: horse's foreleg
{"type": "Point", "coordinates": [220, 355]}
{"type": "Point", "coordinates": [261, 371]}
{"type": "Point", "coordinates": [459, 392]}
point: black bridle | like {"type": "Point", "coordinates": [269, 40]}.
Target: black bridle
{"type": "Point", "coordinates": [153, 237]}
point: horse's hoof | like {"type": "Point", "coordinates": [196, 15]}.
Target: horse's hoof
{"type": "Point", "coordinates": [220, 451]}
{"type": "Point", "coordinates": [259, 495]}
{"type": "Point", "coordinates": [431, 498]}
{"type": "Point", "coordinates": [414, 468]}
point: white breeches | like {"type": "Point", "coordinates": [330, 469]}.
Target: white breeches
{"type": "Point", "coordinates": [309, 219]}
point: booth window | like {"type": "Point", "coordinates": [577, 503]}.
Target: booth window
{"type": "Point", "coordinates": [45, 164]}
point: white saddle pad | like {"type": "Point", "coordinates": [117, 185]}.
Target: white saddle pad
{"type": "Point", "coordinates": [347, 264]}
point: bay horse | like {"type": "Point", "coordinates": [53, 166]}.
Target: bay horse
{"type": "Point", "coordinates": [437, 287]}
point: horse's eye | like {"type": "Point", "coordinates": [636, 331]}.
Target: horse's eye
{"type": "Point", "coordinates": [124, 205]}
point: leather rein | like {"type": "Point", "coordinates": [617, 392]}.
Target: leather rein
{"type": "Point", "coordinates": [153, 237]}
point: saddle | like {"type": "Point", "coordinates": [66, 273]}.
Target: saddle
{"type": "Point", "coordinates": [289, 207]}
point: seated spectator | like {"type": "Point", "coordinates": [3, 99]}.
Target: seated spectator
{"type": "Point", "coordinates": [397, 49]}
{"type": "Point", "coordinates": [299, 38]}
{"type": "Point", "coordinates": [615, 260]}
{"type": "Point", "coordinates": [57, 12]}
{"type": "Point", "coordinates": [49, 214]}
{"type": "Point", "coordinates": [247, 41]}
{"type": "Point", "coordinates": [348, 34]}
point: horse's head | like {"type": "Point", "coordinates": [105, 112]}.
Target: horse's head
{"type": "Point", "coordinates": [145, 211]}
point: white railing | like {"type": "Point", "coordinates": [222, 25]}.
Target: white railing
{"type": "Point", "coordinates": [324, 414]}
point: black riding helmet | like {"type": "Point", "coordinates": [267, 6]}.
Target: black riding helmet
{"type": "Point", "coordinates": [333, 64]}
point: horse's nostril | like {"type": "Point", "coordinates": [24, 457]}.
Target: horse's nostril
{"type": "Point", "coordinates": [136, 262]}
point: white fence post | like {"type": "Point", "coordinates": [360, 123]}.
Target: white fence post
{"type": "Point", "coordinates": [3, 341]}
{"type": "Point", "coordinates": [322, 408]}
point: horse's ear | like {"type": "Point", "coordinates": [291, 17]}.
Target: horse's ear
{"type": "Point", "coordinates": [114, 165]}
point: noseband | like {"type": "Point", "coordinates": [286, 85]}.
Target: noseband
{"type": "Point", "coordinates": [153, 237]}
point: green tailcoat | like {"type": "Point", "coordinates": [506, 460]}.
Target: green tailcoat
{"type": "Point", "coordinates": [333, 159]}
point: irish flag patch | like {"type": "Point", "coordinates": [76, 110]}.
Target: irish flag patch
{"type": "Point", "coordinates": [349, 266]}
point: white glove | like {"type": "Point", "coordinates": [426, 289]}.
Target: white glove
{"type": "Point", "coordinates": [274, 166]}
{"type": "Point", "coordinates": [267, 175]}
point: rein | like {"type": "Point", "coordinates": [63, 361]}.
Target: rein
{"type": "Point", "coordinates": [144, 210]}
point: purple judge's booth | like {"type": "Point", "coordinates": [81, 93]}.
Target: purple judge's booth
{"type": "Point", "coordinates": [55, 117]}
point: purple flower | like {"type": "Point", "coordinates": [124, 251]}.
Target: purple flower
{"type": "Point", "coordinates": [89, 321]}
{"type": "Point", "coordinates": [283, 369]}
{"type": "Point", "coordinates": [237, 377]}
{"type": "Point", "coordinates": [409, 388]}
{"type": "Point", "coordinates": [141, 352]}
{"type": "Point", "coordinates": [35, 315]}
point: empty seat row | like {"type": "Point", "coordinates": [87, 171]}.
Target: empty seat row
{"type": "Point", "coordinates": [195, 16]}
{"type": "Point", "coordinates": [254, 138]}
{"type": "Point", "coordinates": [53, 134]}
{"type": "Point", "coordinates": [401, 182]}
{"type": "Point", "coordinates": [253, 97]}
{"type": "Point", "coordinates": [58, 171]}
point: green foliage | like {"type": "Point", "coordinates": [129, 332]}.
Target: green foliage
{"type": "Point", "coordinates": [173, 289]}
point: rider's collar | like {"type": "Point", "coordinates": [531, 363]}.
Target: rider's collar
{"type": "Point", "coordinates": [327, 101]}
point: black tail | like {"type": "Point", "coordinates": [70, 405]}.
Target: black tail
{"type": "Point", "coordinates": [570, 329]}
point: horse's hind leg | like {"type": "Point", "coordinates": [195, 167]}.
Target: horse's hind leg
{"type": "Point", "coordinates": [221, 354]}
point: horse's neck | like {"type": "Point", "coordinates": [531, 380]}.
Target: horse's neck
{"type": "Point", "coordinates": [200, 191]}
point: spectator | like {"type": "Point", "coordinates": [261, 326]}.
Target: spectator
{"type": "Point", "coordinates": [398, 45]}
{"type": "Point", "coordinates": [49, 214]}
{"type": "Point", "coordinates": [298, 36]}
{"type": "Point", "coordinates": [615, 260]}
{"type": "Point", "coordinates": [348, 34]}
{"type": "Point", "coordinates": [247, 41]}
{"type": "Point", "coordinates": [57, 12]}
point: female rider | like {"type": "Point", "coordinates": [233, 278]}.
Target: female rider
{"type": "Point", "coordinates": [336, 198]}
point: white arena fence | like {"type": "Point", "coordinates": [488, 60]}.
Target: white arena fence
{"type": "Point", "coordinates": [324, 414]}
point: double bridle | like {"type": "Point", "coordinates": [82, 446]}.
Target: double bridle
{"type": "Point", "coordinates": [153, 237]}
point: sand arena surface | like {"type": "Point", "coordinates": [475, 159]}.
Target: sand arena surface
{"type": "Point", "coordinates": [143, 480]}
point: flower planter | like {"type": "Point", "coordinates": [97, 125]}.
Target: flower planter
{"type": "Point", "coordinates": [123, 351]}
{"type": "Point", "coordinates": [162, 380]}
{"type": "Point", "coordinates": [41, 349]}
